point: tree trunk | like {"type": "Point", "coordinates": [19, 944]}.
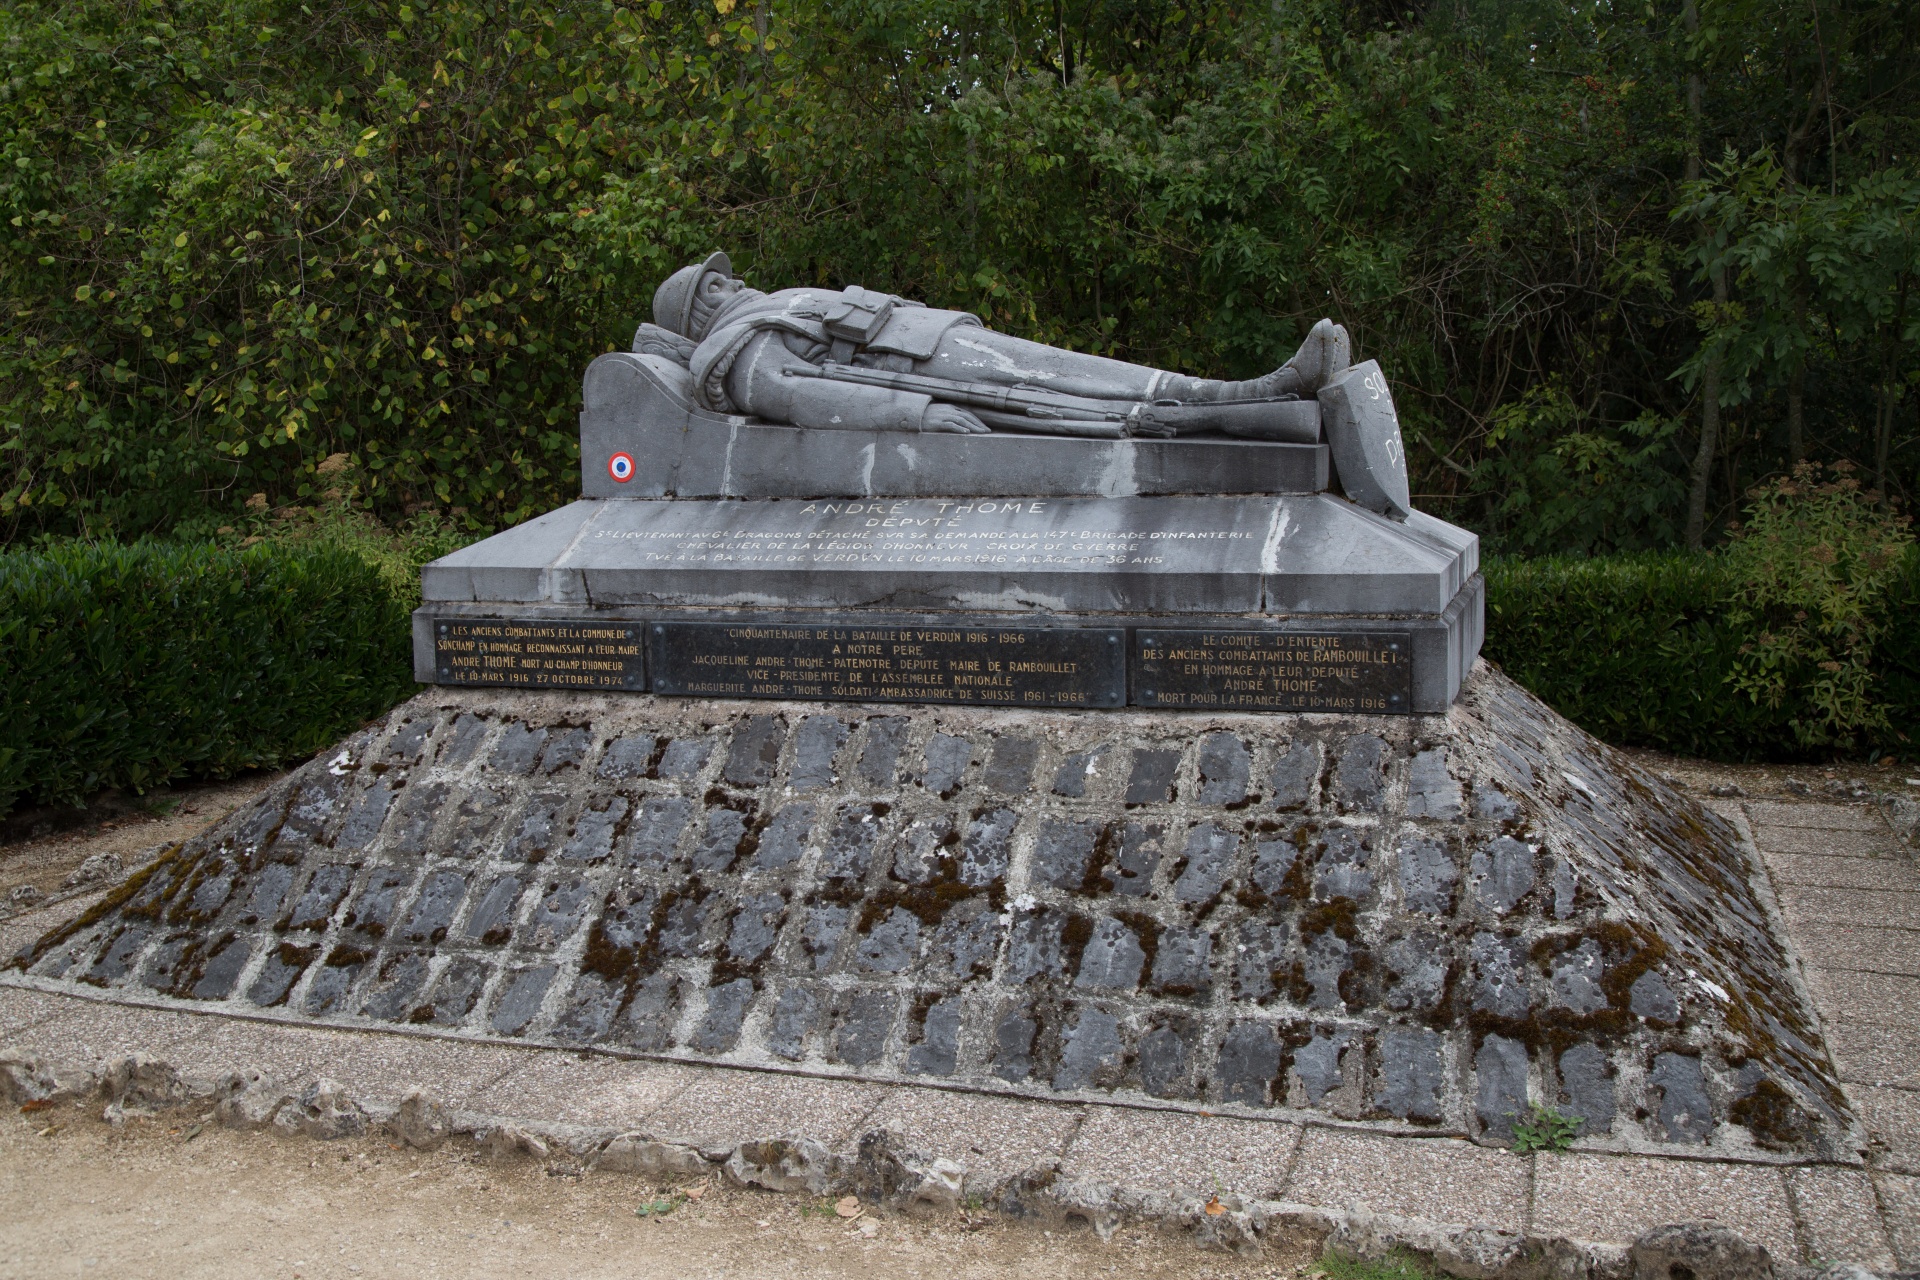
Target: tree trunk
{"type": "Point", "coordinates": [1702, 478]}
{"type": "Point", "coordinates": [1797, 415]}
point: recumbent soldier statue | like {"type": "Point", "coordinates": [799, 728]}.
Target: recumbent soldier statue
{"type": "Point", "coordinates": [854, 359]}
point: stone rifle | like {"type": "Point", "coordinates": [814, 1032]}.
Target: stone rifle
{"type": "Point", "coordinates": [1056, 413]}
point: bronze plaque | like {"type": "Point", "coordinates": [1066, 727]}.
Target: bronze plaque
{"type": "Point", "coordinates": [1369, 672]}
{"type": "Point", "coordinates": [539, 653]}
{"type": "Point", "coordinates": [993, 666]}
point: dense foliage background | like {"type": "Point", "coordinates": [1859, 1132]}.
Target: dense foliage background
{"type": "Point", "coordinates": [238, 237]}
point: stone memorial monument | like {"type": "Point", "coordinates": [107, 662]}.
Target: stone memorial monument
{"type": "Point", "coordinates": [767, 474]}
{"type": "Point", "coordinates": [905, 701]}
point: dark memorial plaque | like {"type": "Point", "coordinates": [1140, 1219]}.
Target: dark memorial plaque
{"type": "Point", "coordinates": [1360, 671]}
{"type": "Point", "coordinates": [539, 653]}
{"type": "Point", "coordinates": [994, 666]}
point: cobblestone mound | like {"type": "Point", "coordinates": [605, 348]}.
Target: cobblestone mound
{"type": "Point", "coordinates": [1434, 922]}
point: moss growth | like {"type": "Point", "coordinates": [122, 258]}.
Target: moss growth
{"type": "Point", "coordinates": [1774, 1119]}
{"type": "Point", "coordinates": [1338, 916]}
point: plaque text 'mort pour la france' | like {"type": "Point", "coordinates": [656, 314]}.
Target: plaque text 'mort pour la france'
{"type": "Point", "coordinates": [1366, 672]}
{"type": "Point", "coordinates": [995, 666]}
{"type": "Point", "coordinates": [537, 653]}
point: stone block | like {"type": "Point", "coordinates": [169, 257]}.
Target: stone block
{"type": "Point", "coordinates": [1615, 1199]}
{"type": "Point", "coordinates": [1839, 1216]}
{"type": "Point", "coordinates": [1438, 1179]}
{"type": "Point", "coordinates": [1248, 1062]}
{"type": "Point", "coordinates": [1208, 857]}
{"type": "Point", "coordinates": [1363, 432]}
{"type": "Point", "coordinates": [754, 752]}
{"type": "Point", "coordinates": [1112, 959]}
{"type": "Point", "coordinates": [1010, 768]}
{"type": "Point", "coordinates": [1182, 1156]}
{"type": "Point", "coordinates": [1500, 1073]}
{"type": "Point", "coordinates": [1412, 1074]}
{"type": "Point", "coordinates": [815, 745]}
{"type": "Point", "coordinates": [1092, 1053]}
{"type": "Point", "coordinates": [1225, 767]}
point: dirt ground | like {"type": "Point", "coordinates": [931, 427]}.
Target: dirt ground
{"type": "Point", "coordinates": [1848, 782]}
{"type": "Point", "coordinates": [170, 1198]}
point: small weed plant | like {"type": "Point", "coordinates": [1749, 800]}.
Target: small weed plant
{"type": "Point", "coordinates": [1398, 1265]}
{"type": "Point", "coordinates": [1544, 1129]}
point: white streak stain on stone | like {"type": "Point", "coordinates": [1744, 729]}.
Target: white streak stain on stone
{"type": "Point", "coordinates": [1276, 532]}
{"type": "Point", "coordinates": [867, 456]}
{"type": "Point", "coordinates": [907, 455]}
{"type": "Point", "coordinates": [1010, 598]}
{"type": "Point", "coordinates": [1118, 479]}
{"type": "Point", "coordinates": [1002, 362]}
{"type": "Point", "coordinates": [726, 463]}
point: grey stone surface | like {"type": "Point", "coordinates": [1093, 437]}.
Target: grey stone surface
{"type": "Point", "coordinates": [1224, 768]}
{"type": "Point", "coordinates": [1208, 856]}
{"type": "Point", "coordinates": [1431, 791]}
{"type": "Point", "coordinates": [1412, 1073]}
{"type": "Point", "coordinates": [1651, 997]}
{"type": "Point", "coordinates": [1093, 1051]}
{"type": "Point", "coordinates": [1685, 1114]}
{"type": "Point", "coordinates": [1369, 457]}
{"type": "Point", "coordinates": [1427, 876]}
{"type": "Point", "coordinates": [1249, 1060]}
{"type": "Point", "coordinates": [1587, 1086]}
{"type": "Point", "coordinates": [1576, 979]}
{"type": "Point", "coordinates": [1501, 1065]}
{"type": "Point", "coordinates": [1314, 954]}
{"type": "Point", "coordinates": [1010, 768]}
{"type": "Point", "coordinates": [1500, 873]}
{"type": "Point", "coordinates": [1112, 959]}
{"type": "Point", "coordinates": [818, 740]}
{"type": "Point", "coordinates": [1297, 554]}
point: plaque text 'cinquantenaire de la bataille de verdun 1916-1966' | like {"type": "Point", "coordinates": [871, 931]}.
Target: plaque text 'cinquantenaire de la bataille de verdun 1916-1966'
{"type": "Point", "coordinates": [992, 666]}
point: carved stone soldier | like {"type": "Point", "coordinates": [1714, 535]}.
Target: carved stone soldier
{"type": "Point", "coordinates": [853, 359]}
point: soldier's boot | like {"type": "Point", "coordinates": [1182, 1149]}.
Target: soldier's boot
{"type": "Point", "coordinates": [1323, 357]}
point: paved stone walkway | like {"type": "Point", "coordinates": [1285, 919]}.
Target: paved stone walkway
{"type": "Point", "coordinates": [1849, 894]}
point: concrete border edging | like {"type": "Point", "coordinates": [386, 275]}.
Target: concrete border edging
{"type": "Point", "coordinates": [882, 1170]}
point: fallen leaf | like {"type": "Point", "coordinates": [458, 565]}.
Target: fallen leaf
{"type": "Point", "coordinates": [847, 1206]}
{"type": "Point", "coordinates": [193, 1133]}
{"type": "Point", "coordinates": [694, 1193]}
{"type": "Point", "coordinates": [37, 1104]}
{"type": "Point", "coordinates": [1215, 1208]}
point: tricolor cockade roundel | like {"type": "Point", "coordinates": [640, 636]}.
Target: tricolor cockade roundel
{"type": "Point", "coordinates": [620, 467]}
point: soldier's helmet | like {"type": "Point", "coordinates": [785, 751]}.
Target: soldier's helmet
{"type": "Point", "coordinates": [673, 300]}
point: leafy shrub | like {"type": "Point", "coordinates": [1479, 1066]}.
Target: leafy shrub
{"type": "Point", "coordinates": [128, 666]}
{"type": "Point", "coordinates": [1635, 649]}
{"type": "Point", "coordinates": [1812, 565]}
{"type": "Point", "coordinates": [1648, 651]}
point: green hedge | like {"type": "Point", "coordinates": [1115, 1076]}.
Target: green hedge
{"type": "Point", "coordinates": [129, 666]}
{"type": "Point", "coordinates": [1638, 650]}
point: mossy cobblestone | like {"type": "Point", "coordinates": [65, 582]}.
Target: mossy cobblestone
{"type": "Point", "coordinates": [1428, 922]}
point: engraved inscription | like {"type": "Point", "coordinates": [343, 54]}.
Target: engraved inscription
{"type": "Point", "coordinates": [1362, 671]}
{"type": "Point", "coordinates": [544, 653]}
{"type": "Point", "coordinates": [996, 666]}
